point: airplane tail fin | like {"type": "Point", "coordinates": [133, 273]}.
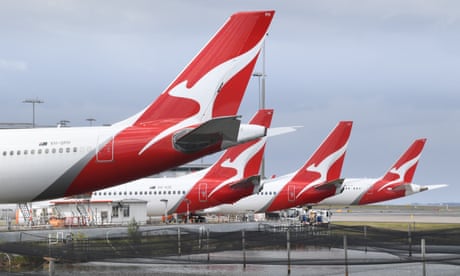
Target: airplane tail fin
{"type": "Point", "coordinates": [243, 160]}
{"type": "Point", "coordinates": [327, 161]}
{"type": "Point", "coordinates": [403, 170]}
{"type": "Point", "coordinates": [213, 83]}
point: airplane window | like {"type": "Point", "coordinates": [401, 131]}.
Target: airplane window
{"type": "Point", "coordinates": [119, 193]}
{"type": "Point", "coordinates": [110, 193]}
{"type": "Point", "coordinates": [4, 153]}
{"type": "Point", "coordinates": [135, 193]}
{"type": "Point", "coordinates": [125, 193]}
{"type": "Point", "coordinates": [11, 152]}
{"type": "Point", "coordinates": [47, 150]}
{"type": "Point", "coordinates": [75, 149]}
{"type": "Point", "coordinates": [130, 193]}
{"type": "Point", "coordinates": [32, 151]}
{"type": "Point", "coordinates": [183, 192]}
{"type": "Point", "coordinates": [39, 151]}
{"type": "Point", "coordinates": [105, 193]}
{"type": "Point", "coordinates": [155, 192]}
{"type": "Point", "coordinates": [53, 150]}
{"type": "Point", "coordinates": [150, 192]}
{"type": "Point", "coordinates": [67, 150]}
{"type": "Point", "coordinates": [18, 152]}
{"type": "Point", "coordinates": [169, 192]}
{"type": "Point", "coordinates": [174, 192]}
{"type": "Point", "coordinates": [61, 150]}
{"type": "Point", "coordinates": [26, 152]}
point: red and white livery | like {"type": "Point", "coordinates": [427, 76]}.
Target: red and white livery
{"type": "Point", "coordinates": [317, 179]}
{"type": "Point", "coordinates": [396, 183]}
{"type": "Point", "coordinates": [234, 176]}
{"type": "Point", "coordinates": [193, 117]}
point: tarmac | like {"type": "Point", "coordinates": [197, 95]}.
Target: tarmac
{"type": "Point", "coordinates": [391, 213]}
{"type": "Point", "coordinates": [371, 213]}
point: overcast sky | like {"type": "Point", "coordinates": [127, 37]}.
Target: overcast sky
{"type": "Point", "coordinates": [391, 66]}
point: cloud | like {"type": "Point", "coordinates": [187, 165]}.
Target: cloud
{"type": "Point", "coordinates": [13, 65]}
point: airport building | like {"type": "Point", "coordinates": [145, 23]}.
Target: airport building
{"type": "Point", "coordinates": [82, 211]}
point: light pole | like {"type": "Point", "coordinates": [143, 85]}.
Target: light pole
{"type": "Point", "coordinates": [33, 102]}
{"type": "Point", "coordinates": [187, 201]}
{"type": "Point", "coordinates": [261, 77]}
{"type": "Point", "coordinates": [261, 97]}
{"type": "Point", "coordinates": [91, 120]}
{"type": "Point", "coordinates": [165, 201]}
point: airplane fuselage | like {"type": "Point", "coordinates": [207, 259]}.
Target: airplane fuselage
{"type": "Point", "coordinates": [182, 194]}
{"type": "Point", "coordinates": [57, 162]}
{"type": "Point", "coordinates": [360, 191]}
{"type": "Point", "coordinates": [277, 194]}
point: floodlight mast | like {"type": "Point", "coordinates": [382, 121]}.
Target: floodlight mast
{"type": "Point", "coordinates": [33, 102]}
{"type": "Point", "coordinates": [261, 79]}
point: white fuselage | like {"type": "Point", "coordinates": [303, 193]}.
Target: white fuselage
{"type": "Point", "coordinates": [355, 188]}
{"type": "Point", "coordinates": [352, 190]}
{"type": "Point", "coordinates": [156, 191]}
{"type": "Point", "coordinates": [32, 159]}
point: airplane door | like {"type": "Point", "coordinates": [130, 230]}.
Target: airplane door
{"type": "Point", "coordinates": [203, 192]}
{"type": "Point", "coordinates": [291, 192]}
{"type": "Point", "coordinates": [104, 150]}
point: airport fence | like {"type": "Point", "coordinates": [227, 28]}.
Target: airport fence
{"type": "Point", "coordinates": [285, 244]}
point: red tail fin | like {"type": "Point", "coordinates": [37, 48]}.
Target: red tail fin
{"type": "Point", "coordinates": [326, 163]}
{"type": "Point", "coordinates": [214, 82]}
{"type": "Point", "coordinates": [406, 165]}
{"type": "Point", "coordinates": [243, 160]}
{"type": "Point", "coordinates": [401, 173]}
{"type": "Point", "coordinates": [323, 166]}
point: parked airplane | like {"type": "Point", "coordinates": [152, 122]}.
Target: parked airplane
{"type": "Point", "coordinates": [317, 179]}
{"type": "Point", "coordinates": [234, 176]}
{"type": "Point", "coordinates": [193, 117]}
{"type": "Point", "coordinates": [396, 183]}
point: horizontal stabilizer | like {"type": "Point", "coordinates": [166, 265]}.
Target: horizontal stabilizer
{"type": "Point", "coordinates": [281, 130]}
{"type": "Point", "coordinates": [330, 185]}
{"type": "Point", "coordinates": [402, 187]}
{"type": "Point", "coordinates": [414, 188]}
{"type": "Point", "coordinates": [252, 181]}
{"type": "Point", "coordinates": [436, 186]}
{"type": "Point", "coordinates": [209, 133]}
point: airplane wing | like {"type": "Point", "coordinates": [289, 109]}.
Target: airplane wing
{"type": "Point", "coordinates": [208, 134]}
{"type": "Point", "coordinates": [331, 184]}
